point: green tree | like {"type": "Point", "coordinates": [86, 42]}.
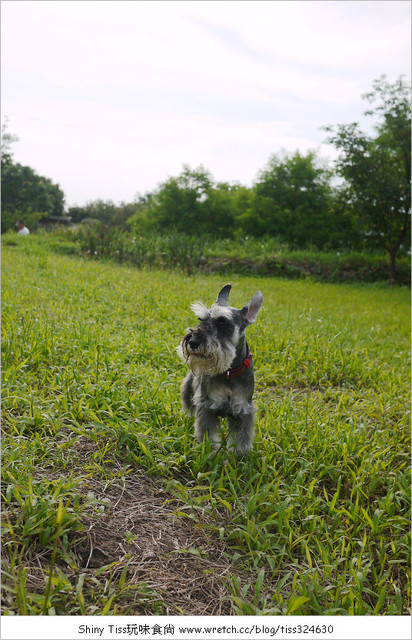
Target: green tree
{"type": "Point", "coordinates": [224, 203]}
{"type": "Point", "coordinates": [243, 213]}
{"type": "Point", "coordinates": [56, 196]}
{"type": "Point", "coordinates": [377, 169]}
{"type": "Point", "coordinates": [25, 194]}
{"type": "Point", "coordinates": [106, 212]}
{"type": "Point", "coordinates": [7, 139]}
{"type": "Point", "coordinates": [188, 203]}
{"type": "Point", "coordinates": [293, 198]}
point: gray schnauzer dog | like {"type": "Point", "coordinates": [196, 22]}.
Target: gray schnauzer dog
{"type": "Point", "coordinates": [221, 381]}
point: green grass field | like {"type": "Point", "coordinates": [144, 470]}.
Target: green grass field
{"type": "Point", "coordinates": [111, 507]}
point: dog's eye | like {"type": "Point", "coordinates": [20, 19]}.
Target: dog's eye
{"type": "Point", "coordinates": [222, 322]}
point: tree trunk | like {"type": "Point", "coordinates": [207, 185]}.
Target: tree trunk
{"type": "Point", "coordinates": [392, 264]}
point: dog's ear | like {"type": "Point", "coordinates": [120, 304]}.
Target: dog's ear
{"type": "Point", "coordinates": [251, 309]}
{"type": "Point", "coordinates": [223, 295]}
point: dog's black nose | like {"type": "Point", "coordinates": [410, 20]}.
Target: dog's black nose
{"type": "Point", "coordinates": [194, 342]}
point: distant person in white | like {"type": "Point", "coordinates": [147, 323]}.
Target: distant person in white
{"type": "Point", "coordinates": [22, 229]}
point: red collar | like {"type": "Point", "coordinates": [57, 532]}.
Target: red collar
{"type": "Point", "coordinates": [236, 371]}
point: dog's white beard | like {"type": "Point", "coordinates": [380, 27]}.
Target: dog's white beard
{"type": "Point", "coordinates": [216, 359]}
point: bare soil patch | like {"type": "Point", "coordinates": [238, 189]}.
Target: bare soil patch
{"type": "Point", "coordinates": [187, 565]}
{"type": "Point", "coordinates": [134, 545]}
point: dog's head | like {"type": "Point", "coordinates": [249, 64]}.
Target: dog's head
{"type": "Point", "coordinates": [210, 348]}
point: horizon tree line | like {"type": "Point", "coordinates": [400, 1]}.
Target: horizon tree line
{"type": "Point", "coordinates": [294, 198]}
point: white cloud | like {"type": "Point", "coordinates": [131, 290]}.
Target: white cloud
{"type": "Point", "coordinates": [346, 34]}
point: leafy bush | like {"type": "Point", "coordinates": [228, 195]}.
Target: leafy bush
{"type": "Point", "coordinates": [172, 250]}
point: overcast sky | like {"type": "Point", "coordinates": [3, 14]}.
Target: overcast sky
{"type": "Point", "coordinates": [111, 98]}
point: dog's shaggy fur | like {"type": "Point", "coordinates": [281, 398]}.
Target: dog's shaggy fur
{"type": "Point", "coordinates": [220, 383]}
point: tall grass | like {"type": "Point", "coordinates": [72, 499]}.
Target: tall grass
{"type": "Point", "coordinates": [173, 250]}
{"type": "Point", "coordinates": [266, 256]}
{"type": "Point", "coordinates": [319, 517]}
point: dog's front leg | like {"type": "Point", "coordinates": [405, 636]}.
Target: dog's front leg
{"type": "Point", "coordinates": [207, 423]}
{"type": "Point", "coordinates": [187, 393]}
{"type": "Point", "coordinates": [241, 432]}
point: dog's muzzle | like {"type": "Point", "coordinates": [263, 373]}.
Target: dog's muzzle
{"type": "Point", "coordinates": [205, 355]}
{"type": "Point", "coordinates": [191, 344]}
